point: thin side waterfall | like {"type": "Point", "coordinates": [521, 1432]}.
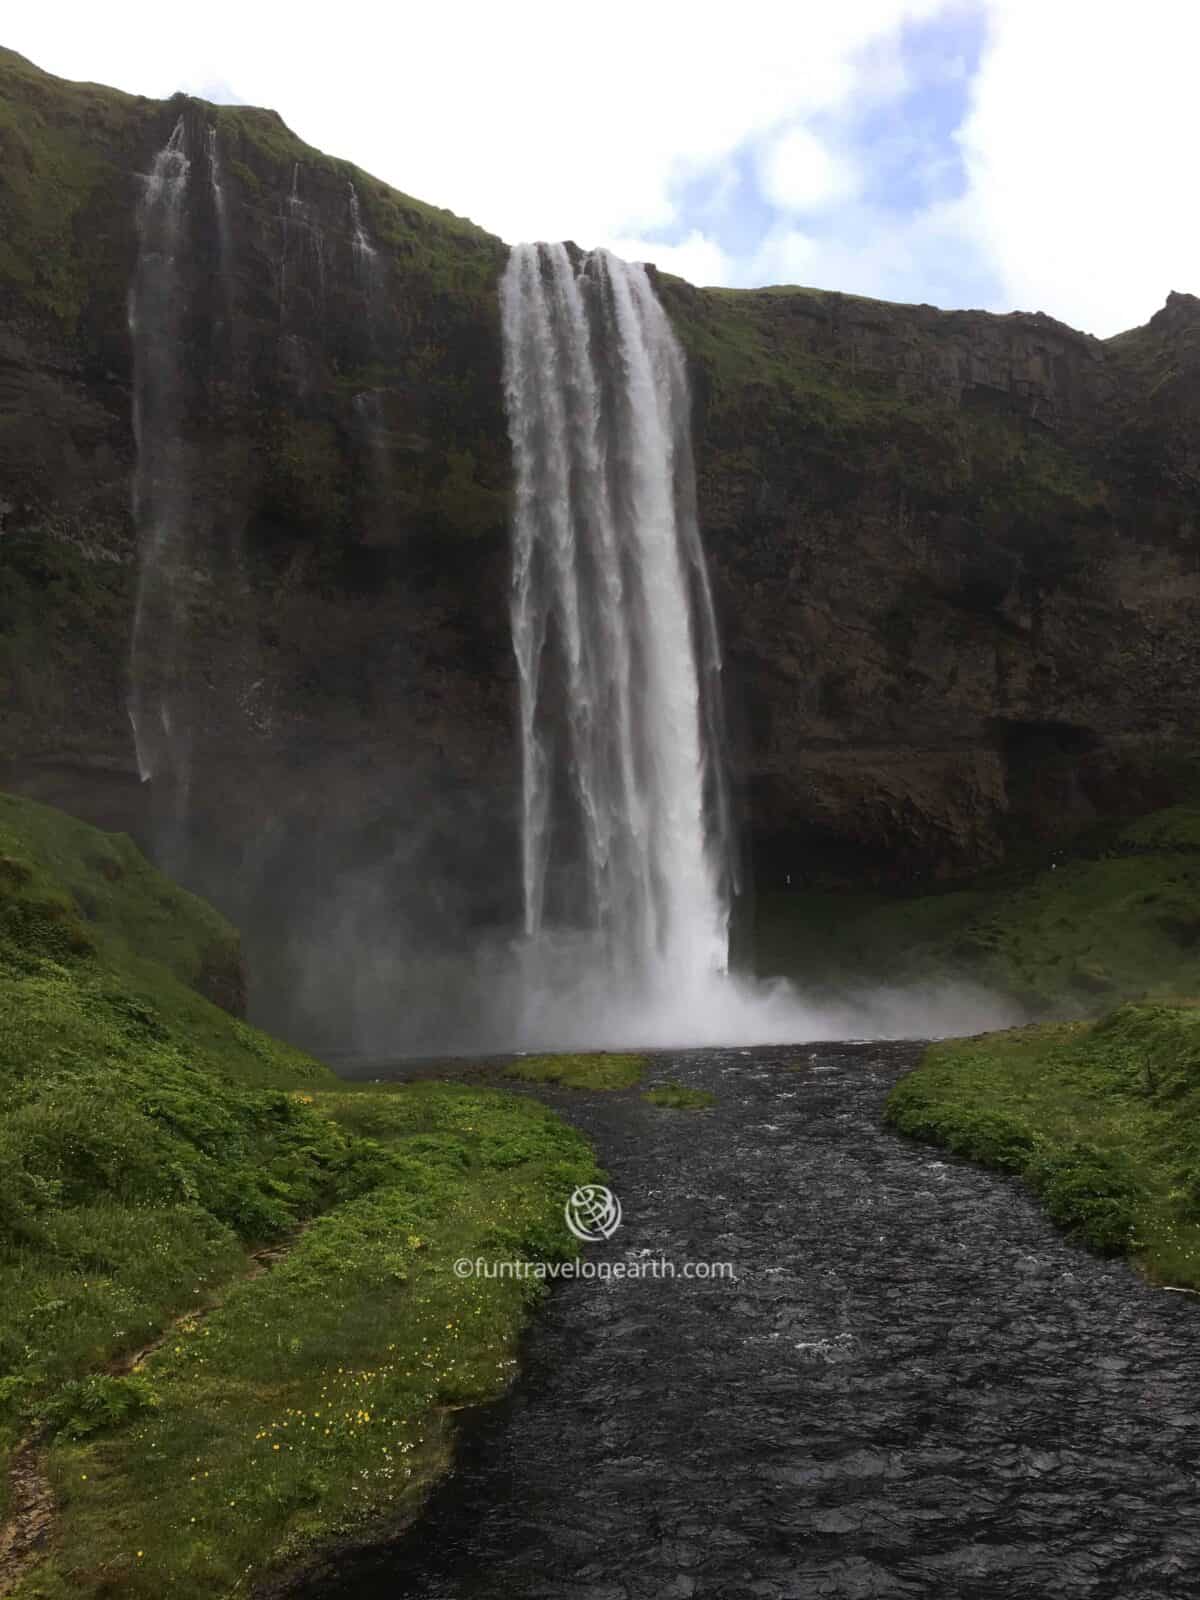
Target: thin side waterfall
{"type": "Point", "coordinates": [626, 848]}
{"type": "Point", "coordinates": [156, 312]}
{"type": "Point", "coordinates": [217, 189]}
{"type": "Point", "coordinates": [364, 251]}
{"type": "Point", "coordinates": [369, 408]}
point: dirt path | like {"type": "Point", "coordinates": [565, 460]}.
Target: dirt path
{"type": "Point", "coordinates": [31, 1503]}
{"type": "Point", "coordinates": [30, 1511]}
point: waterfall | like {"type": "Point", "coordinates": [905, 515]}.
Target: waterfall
{"type": "Point", "coordinates": [160, 508]}
{"type": "Point", "coordinates": [626, 845]}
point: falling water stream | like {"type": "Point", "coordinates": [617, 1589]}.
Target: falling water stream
{"type": "Point", "coordinates": [625, 832]}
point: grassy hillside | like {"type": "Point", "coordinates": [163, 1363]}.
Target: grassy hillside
{"type": "Point", "coordinates": [1101, 1119]}
{"type": "Point", "coordinates": [1065, 939]}
{"type": "Point", "coordinates": [160, 1387]}
{"type": "Point", "coordinates": [69, 150]}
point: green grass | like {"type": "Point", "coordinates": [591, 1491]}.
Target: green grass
{"type": "Point", "coordinates": [580, 1071]}
{"type": "Point", "coordinates": [1071, 939]}
{"type": "Point", "coordinates": [320, 1398]}
{"type": "Point", "coordinates": [148, 1141]}
{"type": "Point", "coordinates": [1101, 1119]}
{"type": "Point", "coordinates": [679, 1097]}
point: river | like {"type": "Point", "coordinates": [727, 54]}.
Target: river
{"type": "Point", "coordinates": [914, 1387]}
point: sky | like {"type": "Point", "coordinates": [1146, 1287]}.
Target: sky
{"type": "Point", "coordinates": [1030, 155]}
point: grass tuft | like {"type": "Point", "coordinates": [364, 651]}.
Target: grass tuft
{"type": "Point", "coordinates": [580, 1071]}
{"type": "Point", "coordinates": [679, 1097]}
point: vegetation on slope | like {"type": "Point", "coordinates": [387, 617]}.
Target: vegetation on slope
{"type": "Point", "coordinates": [57, 172]}
{"type": "Point", "coordinates": [68, 148]}
{"type": "Point", "coordinates": [148, 1139]}
{"type": "Point", "coordinates": [1102, 1120]}
{"type": "Point", "coordinates": [1072, 937]}
{"type": "Point", "coordinates": [319, 1399]}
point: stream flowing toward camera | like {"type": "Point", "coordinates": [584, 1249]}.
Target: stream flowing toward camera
{"type": "Point", "coordinates": [915, 1387]}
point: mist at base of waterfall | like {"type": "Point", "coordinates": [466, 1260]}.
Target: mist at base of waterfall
{"type": "Point", "coordinates": [554, 994]}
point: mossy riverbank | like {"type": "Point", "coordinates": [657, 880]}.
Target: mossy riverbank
{"type": "Point", "coordinates": [1101, 1119]}
{"type": "Point", "coordinates": [1099, 1116]}
{"type": "Point", "coordinates": [189, 1419]}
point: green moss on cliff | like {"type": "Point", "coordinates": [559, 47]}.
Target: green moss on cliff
{"type": "Point", "coordinates": [775, 382]}
{"type": "Point", "coordinates": [1102, 1121]}
{"type": "Point", "coordinates": [306, 486]}
{"type": "Point", "coordinates": [61, 610]}
{"type": "Point", "coordinates": [464, 506]}
{"type": "Point", "coordinates": [60, 146]}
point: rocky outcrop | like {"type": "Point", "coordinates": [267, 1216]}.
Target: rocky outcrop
{"type": "Point", "coordinates": [954, 554]}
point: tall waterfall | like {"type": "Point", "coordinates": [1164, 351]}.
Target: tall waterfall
{"type": "Point", "coordinates": [156, 312]}
{"type": "Point", "coordinates": [625, 833]}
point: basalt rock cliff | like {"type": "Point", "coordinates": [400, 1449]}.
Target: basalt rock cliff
{"type": "Point", "coordinates": [956, 556]}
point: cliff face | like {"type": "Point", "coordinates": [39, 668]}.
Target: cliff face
{"type": "Point", "coordinates": [955, 554]}
{"type": "Point", "coordinates": [341, 668]}
{"type": "Point", "coordinates": [958, 559]}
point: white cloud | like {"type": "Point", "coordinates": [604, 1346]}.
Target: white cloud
{"type": "Point", "coordinates": [1080, 149]}
{"type": "Point", "coordinates": [928, 257]}
{"type": "Point", "coordinates": [786, 255]}
{"type": "Point", "coordinates": [799, 172]}
{"type": "Point", "coordinates": [697, 258]}
{"type": "Point", "coordinates": [538, 120]}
